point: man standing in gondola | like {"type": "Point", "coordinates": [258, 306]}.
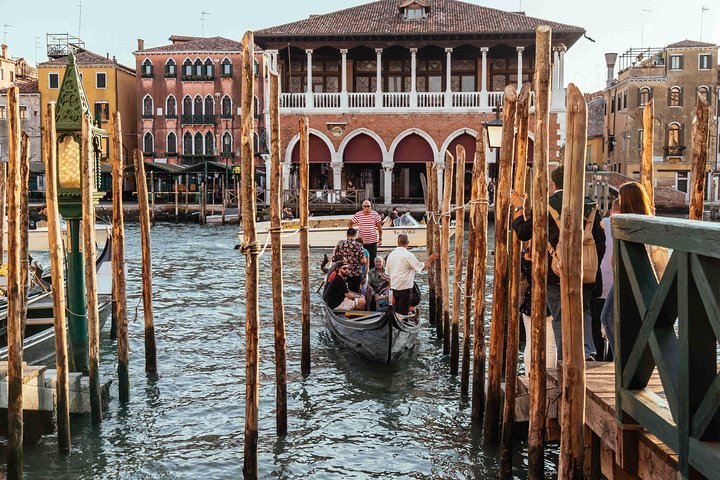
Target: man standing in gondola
{"type": "Point", "coordinates": [354, 255]}
{"type": "Point", "coordinates": [401, 267]}
{"type": "Point", "coordinates": [369, 226]}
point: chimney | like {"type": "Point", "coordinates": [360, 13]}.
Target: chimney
{"type": "Point", "coordinates": [107, 55]}
{"type": "Point", "coordinates": [4, 50]}
{"type": "Point", "coordinates": [141, 44]}
{"type": "Point", "coordinates": [610, 59]}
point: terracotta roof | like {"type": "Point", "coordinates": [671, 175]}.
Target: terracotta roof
{"type": "Point", "coordinates": [196, 44]}
{"type": "Point", "coordinates": [689, 44]}
{"type": "Point", "coordinates": [86, 58]}
{"type": "Point", "coordinates": [382, 17]}
{"type": "Point", "coordinates": [25, 87]}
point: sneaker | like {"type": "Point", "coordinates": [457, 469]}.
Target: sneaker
{"type": "Point", "coordinates": [589, 358]}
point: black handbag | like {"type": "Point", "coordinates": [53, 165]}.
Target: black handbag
{"type": "Point", "coordinates": [415, 295]}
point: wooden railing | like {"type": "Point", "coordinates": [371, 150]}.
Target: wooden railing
{"type": "Point", "coordinates": [673, 326]}
{"type": "Point", "coordinates": [340, 199]}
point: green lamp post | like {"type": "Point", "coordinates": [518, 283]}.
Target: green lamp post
{"type": "Point", "coordinates": [72, 109]}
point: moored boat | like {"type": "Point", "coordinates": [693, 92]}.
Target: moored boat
{"type": "Point", "coordinates": [381, 337]}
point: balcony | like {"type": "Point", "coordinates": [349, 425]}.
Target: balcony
{"type": "Point", "coordinates": [198, 78]}
{"type": "Point", "coordinates": [675, 151]}
{"type": "Point", "coordinates": [147, 75]}
{"type": "Point", "coordinates": [196, 159]}
{"type": "Point", "coordinates": [188, 119]}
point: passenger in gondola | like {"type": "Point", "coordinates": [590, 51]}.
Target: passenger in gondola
{"type": "Point", "coordinates": [353, 253]}
{"type": "Point", "coordinates": [380, 283]}
{"type": "Point", "coordinates": [338, 296]}
{"type": "Point", "coordinates": [402, 266]}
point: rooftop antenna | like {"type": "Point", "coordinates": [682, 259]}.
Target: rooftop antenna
{"type": "Point", "coordinates": [80, 6]}
{"type": "Point", "coordinates": [5, 32]}
{"type": "Point", "coordinates": [642, 27]}
{"type": "Point", "coordinates": [704, 9]}
{"type": "Point", "coordinates": [38, 44]}
{"type": "Point", "coordinates": [202, 21]}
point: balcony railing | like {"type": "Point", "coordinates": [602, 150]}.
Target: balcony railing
{"type": "Point", "coordinates": [676, 151]}
{"type": "Point", "coordinates": [188, 119]}
{"type": "Point", "coordinates": [396, 100]}
{"type": "Point", "coordinates": [361, 100]}
{"type": "Point", "coordinates": [198, 78]}
{"type": "Point", "coordinates": [431, 100]}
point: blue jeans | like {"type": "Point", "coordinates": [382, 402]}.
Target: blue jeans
{"type": "Point", "coordinates": [607, 318]}
{"type": "Point", "coordinates": [554, 302]}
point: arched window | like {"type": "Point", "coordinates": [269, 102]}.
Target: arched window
{"type": "Point", "coordinates": [227, 107]}
{"type": "Point", "coordinates": [198, 143]}
{"type": "Point", "coordinates": [147, 68]}
{"type": "Point", "coordinates": [675, 97]}
{"type": "Point", "coordinates": [209, 105]}
{"type": "Point", "coordinates": [209, 144]}
{"type": "Point", "coordinates": [706, 92]}
{"type": "Point", "coordinates": [187, 105]}
{"type": "Point", "coordinates": [187, 68]}
{"type": "Point", "coordinates": [147, 106]}
{"type": "Point", "coordinates": [148, 143]}
{"type": "Point", "coordinates": [256, 106]}
{"type": "Point", "coordinates": [645, 95]}
{"type": "Point", "coordinates": [198, 67]}
{"type": "Point", "coordinates": [170, 106]}
{"type": "Point", "coordinates": [187, 143]}
{"type": "Point", "coordinates": [170, 69]}
{"type": "Point", "coordinates": [226, 68]}
{"type": "Point", "coordinates": [171, 146]}
{"type": "Point", "coordinates": [198, 106]}
{"type": "Point", "coordinates": [673, 135]}
{"type": "Point", "coordinates": [209, 69]}
{"type": "Point", "coordinates": [226, 142]}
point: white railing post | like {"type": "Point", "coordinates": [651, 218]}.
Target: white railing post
{"type": "Point", "coordinates": [378, 78]}
{"type": "Point", "coordinates": [448, 78]}
{"type": "Point", "coordinates": [286, 176]}
{"type": "Point", "coordinates": [387, 178]}
{"type": "Point", "coordinates": [520, 66]}
{"type": "Point", "coordinates": [343, 74]}
{"type": "Point", "coordinates": [483, 79]}
{"type": "Point", "coordinates": [308, 89]}
{"type": "Point", "coordinates": [413, 78]}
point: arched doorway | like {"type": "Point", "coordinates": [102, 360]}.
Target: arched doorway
{"type": "Point", "coordinates": [362, 159]}
{"type": "Point", "coordinates": [469, 143]}
{"type": "Point", "coordinates": [410, 156]}
{"type": "Point", "coordinates": [320, 158]}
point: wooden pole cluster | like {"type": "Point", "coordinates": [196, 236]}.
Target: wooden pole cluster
{"type": "Point", "coordinates": [251, 250]}
{"type": "Point", "coordinates": [58, 280]}
{"type": "Point", "coordinates": [118, 261]}
{"type": "Point", "coordinates": [458, 267]}
{"type": "Point", "coordinates": [647, 172]}
{"type": "Point", "coordinates": [445, 254]}
{"type": "Point", "coordinates": [537, 336]}
{"type": "Point", "coordinates": [24, 224]}
{"type": "Point", "coordinates": [152, 197]}
{"type": "Point", "coordinates": [277, 266]}
{"type": "Point", "coordinates": [177, 213]}
{"type": "Point", "coordinates": [304, 244]}
{"type": "Point", "coordinates": [513, 315]}
{"type": "Point", "coordinates": [150, 347]}
{"type": "Point", "coordinates": [3, 198]}
{"type": "Point", "coordinates": [430, 220]}
{"type": "Point", "coordinates": [572, 418]}
{"type": "Point", "coordinates": [700, 141]}
{"type": "Point", "coordinates": [500, 287]}
{"type": "Point", "coordinates": [480, 220]}
{"type": "Point", "coordinates": [203, 203]}
{"type": "Point", "coordinates": [14, 298]}
{"type": "Point", "coordinates": [89, 254]}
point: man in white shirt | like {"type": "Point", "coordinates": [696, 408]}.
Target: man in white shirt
{"type": "Point", "coordinates": [401, 266]}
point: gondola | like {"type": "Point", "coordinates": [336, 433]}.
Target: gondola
{"type": "Point", "coordinates": [381, 337]}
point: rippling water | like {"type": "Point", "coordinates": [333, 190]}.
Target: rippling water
{"type": "Point", "coordinates": [348, 419]}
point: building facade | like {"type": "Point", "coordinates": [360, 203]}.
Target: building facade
{"type": "Point", "coordinates": [109, 87]}
{"type": "Point", "coordinates": [672, 77]}
{"type": "Point", "coordinates": [7, 68]}
{"type": "Point", "coordinates": [30, 120]}
{"type": "Point", "coordinates": [390, 85]}
{"type": "Point", "coordinates": [189, 99]}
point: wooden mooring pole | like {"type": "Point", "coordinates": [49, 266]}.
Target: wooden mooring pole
{"type": "Point", "coordinates": [537, 336]}
{"type": "Point", "coordinates": [251, 249]}
{"type": "Point", "coordinates": [500, 288]}
{"type": "Point", "coordinates": [277, 270]}
{"type": "Point", "coordinates": [437, 269]}
{"type": "Point", "coordinates": [177, 215]}
{"type": "Point", "coordinates": [3, 203]}
{"type": "Point", "coordinates": [203, 203]}
{"type": "Point", "coordinates": [304, 245]}
{"type": "Point", "coordinates": [480, 219]}
{"type": "Point", "coordinates": [187, 196]}
{"type": "Point", "coordinates": [647, 172]}
{"type": "Point", "coordinates": [152, 197]}
{"type": "Point", "coordinates": [513, 315]}
{"type": "Point", "coordinates": [57, 272]}
{"type": "Point", "coordinates": [572, 418]}
{"type": "Point", "coordinates": [118, 262]}
{"type": "Point", "coordinates": [445, 246]}
{"type": "Point", "coordinates": [89, 254]}
{"type": "Point", "coordinates": [429, 219]}
{"type": "Point", "coordinates": [24, 222]}
{"type": "Point", "coordinates": [150, 347]}
{"type": "Point", "coordinates": [700, 141]}
{"type": "Point", "coordinates": [223, 205]}
{"type": "Point", "coordinates": [14, 297]}
{"type": "Point", "coordinates": [458, 300]}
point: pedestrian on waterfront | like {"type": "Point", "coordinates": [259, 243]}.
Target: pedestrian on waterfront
{"type": "Point", "coordinates": [525, 310]}
{"type": "Point", "coordinates": [352, 252]}
{"type": "Point", "coordinates": [633, 199]}
{"type": "Point", "coordinates": [522, 224]}
{"type": "Point", "coordinates": [402, 265]}
{"type": "Point", "coordinates": [287, 214]}
{"type": "Point", "coordinates": [338, 295]}
{"type": "Point", "coordinates": [350, 185]}
{"type": "Point", "coordinates": [606, 270]}
{"type": "Point", "coordinates": [369, 227]}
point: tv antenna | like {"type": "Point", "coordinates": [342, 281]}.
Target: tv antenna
{"type": "Point", "coordinates": [202, 21]}
{"type": "Point", "coordinates": [5, 32]}
{"type": "Point", "coordinates": [80, 7]}
{"type": "Point", "coordinates": [642, 27]}
{"type": "Point", "coordinates": [38, 44]}
{"type": "Point", "coordinates": [704, 9]}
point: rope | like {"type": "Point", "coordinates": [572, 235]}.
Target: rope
{"type": "Point", "coordinates": [436, 217]}
{"type": "Point", "coordinates": [253, 248]}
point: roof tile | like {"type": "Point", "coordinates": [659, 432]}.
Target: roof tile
{"type": "Point", "coordinates": [690, 44]}
{"type": "Point", "coordinates": [196, 44]}
{"type": "Point", "coordinates": [86, 58]}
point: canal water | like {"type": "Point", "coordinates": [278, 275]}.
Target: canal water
{"type": "Point", "coordinates": [348, 419]}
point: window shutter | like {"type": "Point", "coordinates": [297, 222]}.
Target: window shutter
{"type": "Point", "coordinates": [669, 95]}
{"type": "Point", "coordinates": [681, 140]}
{"type": "Point", "coordinates": [680, 97]}
{"type": "Point", "coordinates": [650, 95]}
{"type": "Point", "coordinates": [682, 61]}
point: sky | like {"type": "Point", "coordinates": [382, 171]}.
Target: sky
{"type": "Point", "coordinates": [114, 27]}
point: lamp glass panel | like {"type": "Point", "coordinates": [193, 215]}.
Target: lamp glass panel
{"type": "Point", "coordinates": [69, 163]}
{"type": "Point", "coordinates": [494, 133]}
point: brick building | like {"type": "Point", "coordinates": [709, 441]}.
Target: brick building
{"type": "Point", "coordinates": [392, 84]}
{"type": "Point", "coordinates": [189, 100]}
{"type": "Point", "coordinates": [671, 76]}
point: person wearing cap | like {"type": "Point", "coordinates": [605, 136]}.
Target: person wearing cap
{"type": "Point", "coordinates": [338, 296]}
{"type": "Point", "coordinates": [369, 226]}
{"type": "Point", "coordinates": [354, 256]}
{"type": "Point", "coordinates": [402, 266]}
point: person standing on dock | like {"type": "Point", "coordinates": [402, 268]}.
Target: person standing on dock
{"type": "Point", "coordinates": [370, 228]}
{"type": "Point", "coordinates": [401, 267]}
{"type": "Point", "coordinates": [351, 250]}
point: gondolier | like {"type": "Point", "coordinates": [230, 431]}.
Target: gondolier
{"type": "Point", "coordinates": [369, 227]}
{"type": "Point", "coordinates": [401, 267]}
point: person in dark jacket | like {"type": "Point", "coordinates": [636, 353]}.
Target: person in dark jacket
{"type": "Point", "coordinates": [522, 225]}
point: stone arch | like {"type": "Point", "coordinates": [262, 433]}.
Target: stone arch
{"type": "Point", "coordinates": [457, 133]}
{"type": "Point", "coordinates": [408, 132]}
{"type": "Point", "coordinates": [355, 133]}
{"type": "Point", "coordinates": [296, 139]}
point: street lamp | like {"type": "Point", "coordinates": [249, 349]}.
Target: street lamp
{"type": "Point", "coordinates": [494, 130]}
{"type": "Point", "coordinates": [72, 110]}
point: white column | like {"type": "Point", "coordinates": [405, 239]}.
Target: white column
{"type": "Point", "coordinates": [378, 78]}
{"type": "Point", "coordinates": [286, 176]}
{"type": "Point", "coordinates": [343, 76]}
{"type": "Point", "coordinates": [440, 175]}
{"type": "Point", "coordinates": [520, 66]}
{"type": "Point", "coordinates": [413, 77]}
{"type": "Point", "coordinates": [267, 178]}
{"type": "Point", "coordinates": [308, 89]}
{"type": "Point", "coordinates": [557, 101]}
{"type": "Point", "coordinates": [483, 79]}
{"type": "Point", "coordinates": [562, 50]}
{"type": "Point", "coordinates": [387, 182]}
{"type": "Point", "coordinates": [337, 175]}
{"type": "Point", "coordinates": [448, 77]}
